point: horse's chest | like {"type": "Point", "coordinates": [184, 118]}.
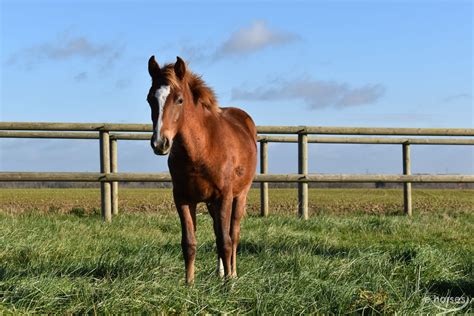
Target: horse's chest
{"type": "Point", "coordinates": [195, 182]}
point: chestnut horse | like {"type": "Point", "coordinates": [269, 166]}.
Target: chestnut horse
{"type": "Point", "coordinates": [212, 157]}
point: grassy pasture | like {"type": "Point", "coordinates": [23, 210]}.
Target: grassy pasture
{"type": "Point", "coordinates": [353, 255]}
{"type": "Point", "coordinates": [282, 201]}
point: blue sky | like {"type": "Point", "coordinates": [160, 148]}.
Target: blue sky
{"type": "Point", "coordinates": [342, 63]}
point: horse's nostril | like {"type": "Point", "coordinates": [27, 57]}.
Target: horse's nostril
{"type": "Point", "coordinates": [166, 143]}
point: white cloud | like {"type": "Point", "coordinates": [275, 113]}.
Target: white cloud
{"type": "Point", "coordinates": [67, 46]}
{"type": "Point", "coordinates": [252, 38]}
{"type": "Point", "coordinates": [246, 40]}
{"type": "Point", "coordinates": [456, 97]}
{"type": "Point", "coordinates": [315, 93]}
{"type": "Point", "coordinates": [80, 76]}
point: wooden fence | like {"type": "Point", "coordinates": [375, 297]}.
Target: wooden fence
{"type": "Point", "coordinates": [109, 134]}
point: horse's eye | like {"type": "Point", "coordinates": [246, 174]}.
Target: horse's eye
{"type": "Point", "coordinates": [180, 101]}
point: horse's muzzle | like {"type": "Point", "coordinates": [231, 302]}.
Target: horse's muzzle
{"type": "Point", "coordinates": [161, 146]}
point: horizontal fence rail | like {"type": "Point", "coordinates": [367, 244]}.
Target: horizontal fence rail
{"type": "Point", "coordinates": [365, 130]}
{"type": "Point", "coordinates": [260, 138]}
{"type": "Point", "coordinates": [110, 133]}
{"type": "Point", "coordinates": [38, 126]}
{"type": "Point", "coordinates": [166, 177]}
{"type": "Point", "coordinates": [44, 126]}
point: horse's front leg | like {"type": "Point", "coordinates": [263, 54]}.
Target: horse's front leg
{"type": "Point", "coordinates": [187, 215]}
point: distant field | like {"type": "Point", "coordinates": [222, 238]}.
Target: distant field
{"type": "Point", "coordinates": [353, 255]}
{"type": "Point", "coordinates": [282, 201]}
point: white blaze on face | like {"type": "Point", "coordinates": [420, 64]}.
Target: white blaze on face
{"type": "Point", "coordinates": [161, 95]}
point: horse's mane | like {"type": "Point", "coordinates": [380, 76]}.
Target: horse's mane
{"type": "Point", "coordinates": [201, 92]}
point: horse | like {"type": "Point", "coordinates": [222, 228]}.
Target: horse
{"type": "Point", "coordinates": [212, 158]}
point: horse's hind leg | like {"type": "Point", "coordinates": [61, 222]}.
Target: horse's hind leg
{"type": "Point", "coordinates": [238, 210]}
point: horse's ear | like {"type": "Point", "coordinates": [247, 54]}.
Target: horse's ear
{"type": "Point", "coordinates": [153, 68]}
{"type": "Point", "coordinates": [180, 68]}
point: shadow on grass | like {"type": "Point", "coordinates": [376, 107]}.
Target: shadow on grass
{"type": "Point", "coordinates": [452, 288]}
{"type": "Point", "coordinates": [248, 247]}
{"type": "Point", "coordinates": [253, 248]}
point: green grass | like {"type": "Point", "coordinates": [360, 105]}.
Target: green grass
{"type": "Point", "coordinates": [336, 262]}
{"type": "Point", "coordinates": [282, 201]}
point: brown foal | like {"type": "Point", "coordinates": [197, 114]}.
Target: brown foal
{"type": "Point", "coordinates": [212, 157]}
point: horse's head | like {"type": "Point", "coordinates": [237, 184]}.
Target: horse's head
{"type": "Point", "coordinates": [166, 97]}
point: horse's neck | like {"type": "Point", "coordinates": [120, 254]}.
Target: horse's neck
{"type": "Point", "coordinates": [194, 134]}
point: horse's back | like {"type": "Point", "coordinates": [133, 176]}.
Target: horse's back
{"type": "Point", "coordinates": [240, 119]}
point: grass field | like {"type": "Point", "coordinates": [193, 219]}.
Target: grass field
{"type": "Point", "coordinates": [282, 201]}
{"type": "Point", "coordinates": [354, 254]}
